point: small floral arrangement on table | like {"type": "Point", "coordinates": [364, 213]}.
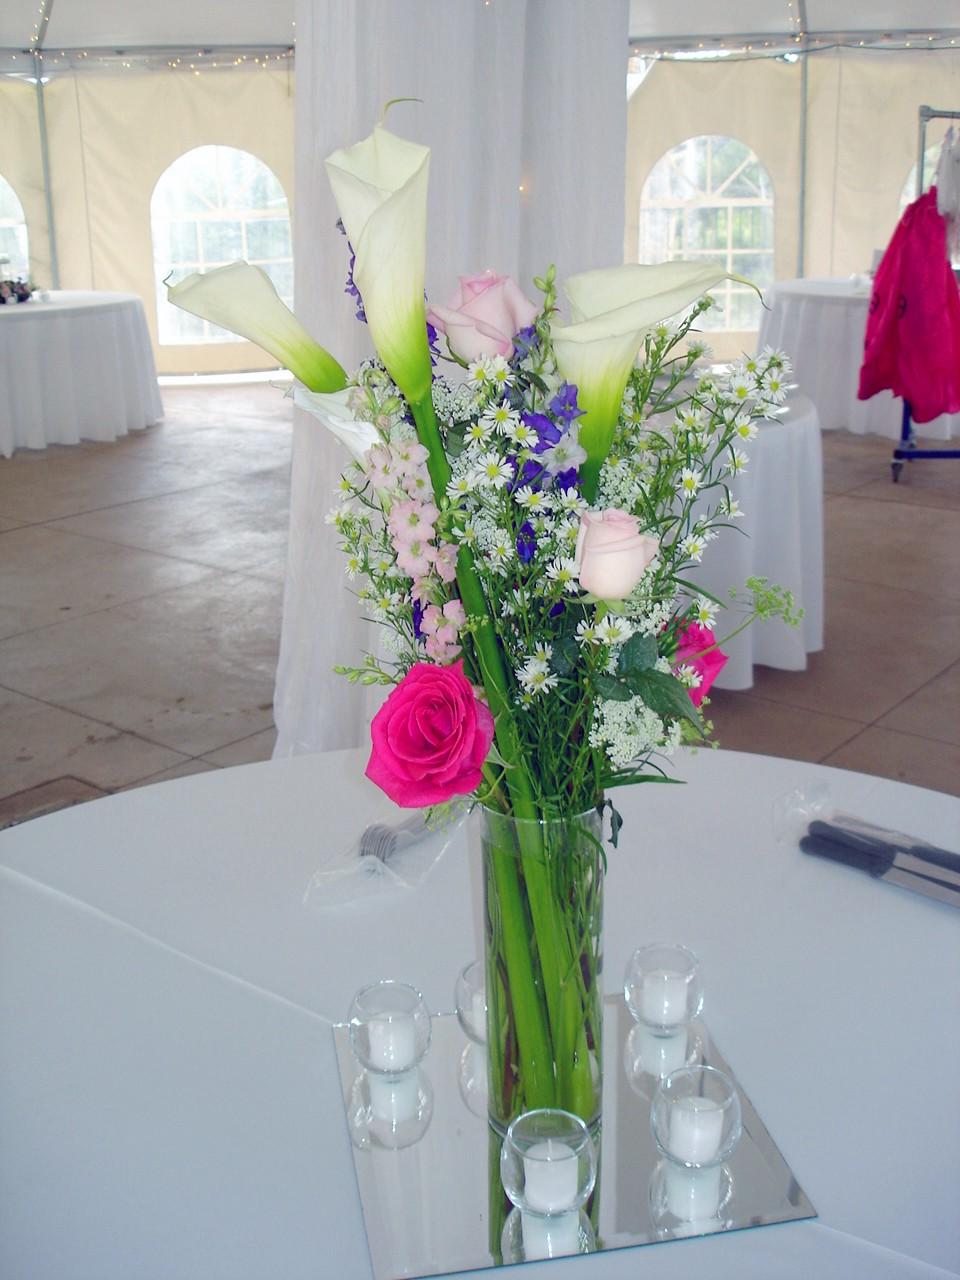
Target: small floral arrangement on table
{"type": "Point", "coordinates": [16, 291]}
{"type": "Point", "coordinates": [527, 504]}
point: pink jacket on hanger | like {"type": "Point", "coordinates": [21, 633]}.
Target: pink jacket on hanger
{"type": "Point", "coordinates": [912, 343]}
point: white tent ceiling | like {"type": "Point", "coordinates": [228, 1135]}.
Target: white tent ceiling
{"type": "Point", "coordinates": [134, 24]}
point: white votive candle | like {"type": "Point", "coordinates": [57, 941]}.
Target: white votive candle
{"type": "Point", "coordinates": [394, 1101]}
{"type": "Point", "coordinates": [551, 1176]}
{"type": "Point", "coordinates": [555, 1237]}
{"type": "Point", "coordinates": [393, 1043]}
{"type": "Point", "coordinates": [696, 1125]}
{"type": "Point", "coordinates": [663, 998]}
{"type": "Point", "coordinates": [693, 1195]}
{"type": "Point", "coordinates": [478, 1013]}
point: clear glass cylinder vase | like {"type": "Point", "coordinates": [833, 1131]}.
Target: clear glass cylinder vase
{"type": "Point", "coordinates": [543, 919]}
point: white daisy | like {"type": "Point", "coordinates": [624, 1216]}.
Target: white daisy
{"type": "Point", "coordinates": [614, 630]}
{"type": "Point", "coordinates": [564, 572]}
{"type": "Point", "coordinates": [478, 432]}
{"type": "Point", "coordinates": [501, 417]}
{"type": "Point", "coordinates": [586, 632]}
{"type": "Point", "coordinates": [690, 481]}
{"type": "Point", "coordinates": [491, 472]}
{"type": "Point", "coordinates": [705, 612]}
{"type": "Point", "coordinates": [693, 547]}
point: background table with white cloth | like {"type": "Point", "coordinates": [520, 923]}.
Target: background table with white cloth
{"type": "Point", "coordinates": [169, 1099]}
{"type": "Point", "coordinates": [780, 538]}
{"type": "Point", "coordinates": [78, 366]}
{"type": "Point", "coordinates": [820, 324]}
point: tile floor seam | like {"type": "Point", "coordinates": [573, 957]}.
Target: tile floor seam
{"type": "Point", "coordinates": [147, 551]}
{"type": "Point", "coordinates": [793, 706]}
{"type": "Point", "coordinates": [883, 586]}
{"type": "Point", "coordinates": [105, 724]}
{"type": "Point", "coordinates": [113, 506]}
{"type": "Point", "coordinates": [153, 595]}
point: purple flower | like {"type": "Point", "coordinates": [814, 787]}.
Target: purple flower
{"type": "Point", "coordinates": [564, 404]}
{"type": "Point", "coordinates": [567, 479]}
{"type": "Point", "coordinates": [432, 343]}
{"type": "Point", "coordinates": [526, 543]}
{"type": "Point", "coordinates": [417, 620]}
{"type": "Point", "coordinates": [524, 342]}
{"type": "Point", "coordinates": [350, 287]}
{"type": "Point", "coordinates": [548, 433]}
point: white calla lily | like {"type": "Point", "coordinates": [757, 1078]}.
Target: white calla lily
{"type": "Point", "coordinates": [380, 186]}
{"type": "Point", "coordinates": [243, 299]}
{"type": "Point", "coordinates": [333, 410]}
{"type": "Point", "coordinates": [611, 310]}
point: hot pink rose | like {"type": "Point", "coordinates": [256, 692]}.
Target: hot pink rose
{"type": "Point", "coordinates": [612, 553]}
{"type": "Point", "coordinates": [430, 737]}
{"type": "Point", "coordinates": [482, 319]}
{"type": "Point", "coordinates": [691, 642]}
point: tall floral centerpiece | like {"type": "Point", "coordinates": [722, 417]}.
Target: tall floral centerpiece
{"type": "Point", "coordinates": [527, 502]}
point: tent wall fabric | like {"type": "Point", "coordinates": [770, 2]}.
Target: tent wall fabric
{"type": "Point", "coordinates": [111, 137]}
{"type": "Point", "coordinates": [526, 168]}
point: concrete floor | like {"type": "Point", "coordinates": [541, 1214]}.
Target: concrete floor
{"type": "Point", "coordinates": [141, 585]}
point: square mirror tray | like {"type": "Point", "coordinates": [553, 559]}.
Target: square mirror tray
{"type": "Point", "coordinates": [437, 1205]}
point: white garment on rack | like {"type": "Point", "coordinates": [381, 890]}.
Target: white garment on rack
{"type": "Point", "coordinates": [948, 190]}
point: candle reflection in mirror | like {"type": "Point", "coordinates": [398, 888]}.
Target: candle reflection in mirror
{"type": "Point", "coordinates": [689, 1202]}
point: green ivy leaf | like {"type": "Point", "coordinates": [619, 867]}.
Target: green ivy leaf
{"type": "Point", "coordinates": [665, 695]}
{"type": "Point", "coordinates": [611, 688]}
{"type": "Point", "coordinates": [638, 654]}
{"type": "Point", "coordinates": [566, 655]}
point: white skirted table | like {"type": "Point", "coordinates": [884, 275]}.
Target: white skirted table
{"type": "Point", "coordinates": [781, 493]}
{"type": "Point", "coordinates": [820, 324]}
{"type": "Point", "coordinates": [169, 1099]}
{"type": "Point", "coordinates": [77, 366]}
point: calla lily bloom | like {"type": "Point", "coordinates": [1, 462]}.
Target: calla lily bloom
{"type": "Point", "coordinates": [333, 410]}
{"type": "Point", "coordinates": [243, 299]}
{"type": "Point", "coordinates": [611, 310]}
{"type": "Point", "coordinates": [380, 186]}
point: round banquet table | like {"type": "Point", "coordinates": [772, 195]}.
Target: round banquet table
{"type": "Point", "coordinates": [78, 366]}
{"type": "Point", "coordinates": [820, 324]}
{"type": "Point", "coordinates": [169, 1097]}
{"type": "Point", "coordinates": [781, 494]}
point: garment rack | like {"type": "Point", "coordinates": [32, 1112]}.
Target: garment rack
{"type": "Point", "coordinates": [908, 451]}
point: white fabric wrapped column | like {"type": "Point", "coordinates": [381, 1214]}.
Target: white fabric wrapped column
{"type": "Point", "coordinates": [528, 94]}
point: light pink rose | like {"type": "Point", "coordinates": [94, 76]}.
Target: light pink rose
{"type": "Point", "coordinates": [612, 553]}
{"type": "Point", "coordinates": [691, 642]}
{"type": "Point", "coordinates": [430, 737]}
{"type": "Point", "coordinates": [482, 319]}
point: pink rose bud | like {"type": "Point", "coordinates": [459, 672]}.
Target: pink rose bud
{"type": "Point", "coordinates": [691, 643]}
{"type": "Point", "coordinates": [612, 553]}
{"type": "Point", "coordinates": [430, 737]}
{"type": "Point", "coordinates": [482, 319]}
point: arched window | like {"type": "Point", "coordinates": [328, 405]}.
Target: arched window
{"type": "Point", "coordinates": [215, 205]}
{"type": "Point", "coordinates": [711, 199]}
{"type": "Point", "coordinates": [13, 235]}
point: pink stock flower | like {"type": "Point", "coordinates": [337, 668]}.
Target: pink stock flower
{"type": "Point", "coordinates": [692, 640]}
{"type": "Point", "coordinates": [378, 466]}
{"type": "Point", "coordinates": [447, 561]}
{"type": "Point", "coordinates": [415, 558]}
{"type": "Point", "coordinates": [430, 737]}
{"type": "Point", "coordinates": [612, 553]}
{"type": "Point", "coordinates": [441, 627]}
{"type": "Point", "coordinates": [411, 521]}
{"type": "Point", "coordinates": [482, 319]}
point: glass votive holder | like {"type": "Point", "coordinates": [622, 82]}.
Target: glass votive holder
{"type": "Point", "coordinates": [528, 1237]}
{"type": "Point", "coordinates": [389, 1111]}
{"type": "Point", "coordinates": [649, 1056]}
{"type": "Point", "coordinates": [695, 1116]}
{"type": "Point", "coordinates": [471, 1001]}
{"type": "Point", "coordinates": [548, 1164]}
{"type": "Point", "coordinates": [389, 1028]}
{"type": "Point", "coordinates": [688, 1202]}
{"type": "Point", "coordinates": [662, 986]}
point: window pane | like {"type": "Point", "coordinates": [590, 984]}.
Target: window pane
{"type": "Point", "coordinates": [207, 210]}
{"type": "Point", "coordinates": [13, 234]}
{"type": "Point", "coordinates": [221, 241]}
{"type": "Point", "coordinates": [268, 238]}
{"type": "Point", "coordinates": [710, 199]}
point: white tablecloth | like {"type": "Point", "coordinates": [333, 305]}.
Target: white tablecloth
{"type": "Point", "coordinates": [76, 367]}
{"type": "Point", "coordinates": [169, 1099]}
{"type": "Point", "coordinates": [781, 493]}
{"type": "Point", "coordinates": [820, 324]}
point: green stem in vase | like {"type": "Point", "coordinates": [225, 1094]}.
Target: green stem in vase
{"type": "Point", "coordinates": [532, 1029]}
